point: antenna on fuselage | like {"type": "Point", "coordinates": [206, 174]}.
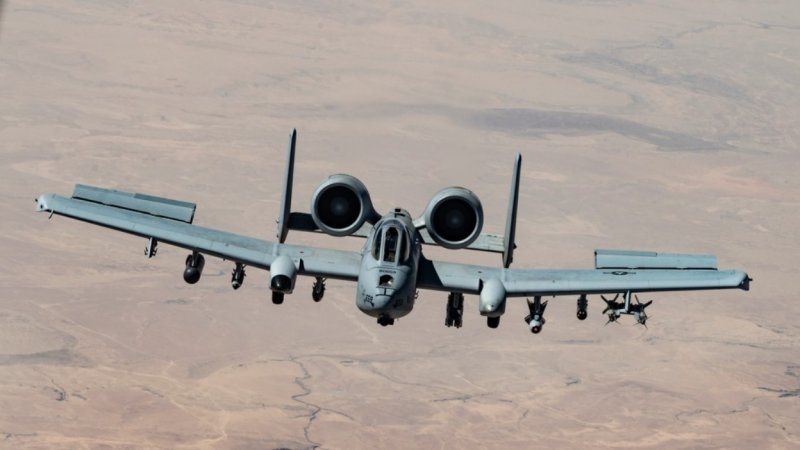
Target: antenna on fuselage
{"type": "Point", "coordinates": [286, 200]}
{"type": "Point", "coordinates": [511, 217]}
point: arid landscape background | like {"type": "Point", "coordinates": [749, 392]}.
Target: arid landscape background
{"type": "Point", "coordinates": [667, 126]}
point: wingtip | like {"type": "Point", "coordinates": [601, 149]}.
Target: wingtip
{"type": "Point", "coordinates": [745, 284]}
{"type": "Point", "coordinates": [43, 203]}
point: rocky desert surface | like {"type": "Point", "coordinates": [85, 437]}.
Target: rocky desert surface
{"type": "Point", "coordinates": [653, 125]}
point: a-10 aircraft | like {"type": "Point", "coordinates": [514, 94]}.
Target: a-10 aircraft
{"type": "Point", "coordinates": [391, 266]}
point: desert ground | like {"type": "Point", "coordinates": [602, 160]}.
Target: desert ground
{"type": "Point", "coordinates": [653, 125]}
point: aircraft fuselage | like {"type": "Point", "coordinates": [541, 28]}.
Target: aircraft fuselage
{"type": "Point", "coordinates": [387, 282]}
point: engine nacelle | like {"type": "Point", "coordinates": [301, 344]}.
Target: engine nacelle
{"type": "Point", "coordinates": [341, 205]}
{"type": "Point", "coordinates": [194, 268]}
{"type": "Point", "coordinates": [454, 217]}
{"type": "Point", "coordinates": [493, 298]}
{"type": "Point", "coordinates": [283, 274]}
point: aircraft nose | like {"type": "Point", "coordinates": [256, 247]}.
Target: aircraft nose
{"type": "Point", "coordinates": [375, 303]}
{"type": "Point", "coordinates": [381, 301]}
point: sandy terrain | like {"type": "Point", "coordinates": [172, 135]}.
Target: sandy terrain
{"type": "Point", "coordinates": [669, 126]}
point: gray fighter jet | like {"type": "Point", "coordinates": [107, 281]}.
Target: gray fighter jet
{"type": "Point", "coordinates": [391, 267]}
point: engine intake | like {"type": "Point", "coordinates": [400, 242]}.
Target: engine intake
{"type": "Point", "coordinates": [454, 217]}
{"type": "Point", "coordinates": [341, 205]}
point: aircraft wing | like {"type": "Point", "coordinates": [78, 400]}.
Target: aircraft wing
{"type": "Point", "coordinates": [169, 222]}
{"type": "Point", "coordinates": [468, 279]}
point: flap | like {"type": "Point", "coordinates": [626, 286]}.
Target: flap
{"type": "Point", "coordinates": [624, 259]}
{"type": "Point", "coordinates": [143, 203]}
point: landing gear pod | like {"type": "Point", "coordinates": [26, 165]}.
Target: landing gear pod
{"type": "Point", "coordinates": [283, 274]}
{"type": "Point", "coordinates": [492, 301]}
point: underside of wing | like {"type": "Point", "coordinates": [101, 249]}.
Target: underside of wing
{"type": "Point", "coordinates": [469, 279]}
{"type": "Point", "coordinates": [169, 221]}
{"type": "Point", "coordinates": [616, 272]}
{"type": "Point", "coordinates": [598, 281]}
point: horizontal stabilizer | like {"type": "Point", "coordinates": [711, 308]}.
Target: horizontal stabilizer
{"type": "Point", "coordinates": [624, 259]}
{"type": "Point", "coordinates": [143, 203]}
{"type": "Point", "coordinates": [301, 222]}
{"type": "Point", "coordinates": [486, 242]}
{"type": "Point", "coordinates": [305, 222]}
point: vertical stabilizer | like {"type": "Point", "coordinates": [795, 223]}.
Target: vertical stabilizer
{"type": "Point", "coordinates": [286, 200]}
{"type": "Point", "coordinates": [511, 218]}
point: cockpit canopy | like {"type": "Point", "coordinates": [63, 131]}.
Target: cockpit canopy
{"type": "Point", "coordinates": [391, 245]}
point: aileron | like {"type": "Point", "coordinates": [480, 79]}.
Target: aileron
{"type": "Point", "coordinates": [625, 259]}
{"type": "Point", "coordinates": [143, 203]}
